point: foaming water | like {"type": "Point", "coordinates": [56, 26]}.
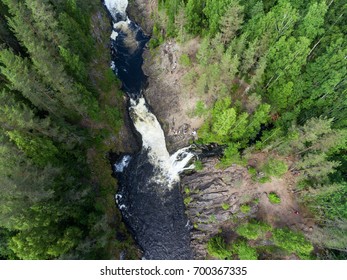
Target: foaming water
{"type": "Point", "coordinates": [153, 140]}
{"type": "Point", "coordinates": [117, 7]}
{"type": "Point", "coordinates": [122, 164]}
{"type": "Point", "coordinates": [148, 194]}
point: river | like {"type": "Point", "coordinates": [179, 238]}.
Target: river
{"type": "Point", "coordinates": [148, 194]}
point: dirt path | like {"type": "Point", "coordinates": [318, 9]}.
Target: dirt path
{"type": "Point", "coordinates": [288, 212]}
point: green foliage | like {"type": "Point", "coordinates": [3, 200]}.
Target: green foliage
{"type": "Point", "coordinates": [198, 165]}
{"type": "Point", "coordinates": [274, 198]}
{"type": "Point", "coordinates": [200, 109]}
{"type": "Point", "coordinates": [253, 230]}
{"type": "Point", "coordinates": [171, 8]}
{"type": "Point", "coordinates": [216, 247]}
{"type": "Point", "coordinates": [222, 122]}
{"type": "Point", "coordinates": [43, 243]}
{"type": "Point", "coordinates": [264, 179]}
{"type": "Point", "coordinates": [187, 200]}
{"type": "Point", "coordinates": [185, 60]}
{"type": "Point", "coordinates": [194, 16]}
{"type": "Point", "coordinates": [157, 37]}
{"type": "Point", "coordinates": [231, 21]}
{"type": "Point", "coordinates": [292, 242]}
{"type": "Point", "coordinates": [226, 125]}
{"type": "Point", "coordinates": [213, 11]}
{"type": "Point", "coordinates": [244, 251]}
{"type": "Point", "coordinates": [252, 171]}
{"type": "Point", "coordinates": [313, 142]}
{"type": "Point", "coordinates": [5, 252]}
{"type": "Point", "coordinates": [245, 208]}
{"type": "Point", "coordinates": [74, 64]}
{"type": "Point", "coordinates": [54, 115]}
{"type": "Point", "coordinates": [332, 235]}
{"type": "Point", "coordinates": [225, 206]}
{"type": "Point", "coordinates": [231, 155]}
{"type": "Point", "coordinates": [274, 167]}
{"type": "Point", "coordinates": [327, 202]}
{"type": "Point", "coordinates": [312, 23]}
{"type": "Point", "coordinates": [212, 219]}
{"type": "Point", "coordinates": [41, 150]}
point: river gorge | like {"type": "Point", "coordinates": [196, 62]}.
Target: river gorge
{"type": "Point", "coordinates": [148, 194]}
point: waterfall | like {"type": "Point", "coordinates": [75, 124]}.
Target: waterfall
{"type": "Point", "coordinates": [153, 140]}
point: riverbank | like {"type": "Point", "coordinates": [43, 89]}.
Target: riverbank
{"type": "Point", "coordinates": [170, 101]}
{"type": "Point", "coordinates": [141, 12]}
{"type": "Point", "coordinates": [118, 138]}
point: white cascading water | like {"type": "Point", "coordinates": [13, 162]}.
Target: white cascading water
{"type": "Point", "coordinates": [153, 139]}
{"type": "Point", "coordinates": [117, 6]}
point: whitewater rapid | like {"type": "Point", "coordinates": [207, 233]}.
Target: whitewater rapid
{"type": "Point", "coordinates": [117, 7]}
{"type": "Point", "coordinates": [153, 140]}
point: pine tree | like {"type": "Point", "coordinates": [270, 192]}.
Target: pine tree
{"type": "Point", "coordinates": [22, 185]}
{"type": "Point", "coordinates": [323, 84]}
{"type": "Point", "coordinates": [24, 79]}
{"type": "Point", "coordinates": [195, 20]}
{"type": "Point", "coordinates": [248, 57]}
{"type": "Point", "coordinates": [231, 21]}
{"type": "Point", "coordinates": [213, 11]}
{"type": "Point", "coordinates": [44, 54]}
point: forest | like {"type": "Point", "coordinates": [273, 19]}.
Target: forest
{"type": "Point", "coordinates": [56, 115]}
{"type": "Point", "coordinates": [276, 72]}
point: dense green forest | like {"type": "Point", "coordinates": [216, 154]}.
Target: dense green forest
{"type": "Point", "coordinates": [277, 72]}
{"type": "Point", "coordinates": [55, 117]}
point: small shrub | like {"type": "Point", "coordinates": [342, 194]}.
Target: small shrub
{"type": "Point", "coordinates": [187, 200]}
{"type": "Point", "coordinates": [154, 43]}
{"type": "Point", "coordinates": [274, 198]}
{"type": "Point", "coordinates": [256, 201]}
{"type": "Point", "coordinates": [216, 247]}
{"type": "Point", "coordinates": [225, 206]}
{"type": "Point", "coordinates": [264, 180]}
{"type": "Point", "coordinates": [252, 171]}
{"type": "Point", "coordinates": [187, 190]}
{"type": "Point", "coordinates": [200, 109]}
{"type": "Point", "coordinates": [275, 168]}
{"type": "Point", "coordinates": [245, 208]}
{"type": "Point", "coordinates": [244, 251]}
{"type": "Point", "coordinates": [198, 165]}
{"type": "Point", "coordinates": [185, 60]}
{"type": "Point", "coordinates": [157, 38]}
{"type": "Point", "coordinates": [231, 155]}
{"type": "Point", "coordinates": [253, 229]}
